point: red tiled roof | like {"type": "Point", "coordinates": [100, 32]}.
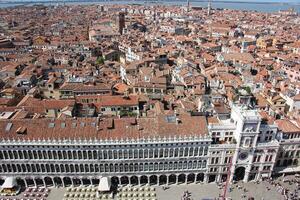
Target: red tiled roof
{"type": "Point", "coordinates": [107, 128]}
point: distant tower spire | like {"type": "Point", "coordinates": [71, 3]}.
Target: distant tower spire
{"type": "Point", "coordinates": [188, 6]}
{"type": "Point", "coordinates": [209, 7]}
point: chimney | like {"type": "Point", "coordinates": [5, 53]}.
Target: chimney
{"type": "Point", "coordinates": [97, 122]}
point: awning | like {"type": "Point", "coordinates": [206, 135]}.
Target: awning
{"type": "Point", "coordinates": [104, 184]}
{"type": "Point", "coordinates": [264, 175]}
{"type": "Point", "coordinates": [9, 182]}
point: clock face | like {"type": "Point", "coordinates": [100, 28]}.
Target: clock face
{"type": "Point", "coordinates": [243, 156]}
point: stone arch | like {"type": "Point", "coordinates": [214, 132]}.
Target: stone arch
{"type": "Point", "coordinates": [4, 168]}
{"type": "Point", "coordinates": [58, 181]}
{"type": "Point", "coordinates": [67, 168]}
{"type": "Point", "coordinates": [39, 182]}
{"type": "Point", "coordinates": [95, 181]}
{"type": "Point", "coordinates": [124, 180]}
{"type": "Point", "coordinates": [200, 177]}
{"type": "Point", "coordinates": [239, 173]}
{"type": "Point", "coordinates": [86, 181]}
{"type": "Point", "coordinates": [29, 181]}
{"type": "Point", "coordinates": [153, 180]}
{"type": "Point", "coordinates": [19, 168]}
{"type": "Point", "coordinates": [134, 180]}
{"type": "Point", "coordinates": [163, 179]}
{"type": "Point", "coordinates": [67, 181]}
{"type": "Point", "coordinates": [181, 178]}
{"type": "Point", "coordinates": [48, 181]}
{"type": "Point", "coordinates": [14, 168]}
{"type": "Point", "coordinates": [76, 181]}
{"type": "Point", "coordinates": [1, 181]}
{"type": "Point", "coordinates": [20, 182]}
{"type": "Point", "coordinates": [172, 179]}
{"type": "Point", "coordinates": [116, 167]}
{"type": "Point", "coordinates": [295, 162]}
{"type": "Point", "coordinates": [191, 178]}
{"type": "Point", "coordinates": [143, 180]}
{"type": "Point", "coordinates": [115, 180]}
{"type": "Point", "coordinates": [212, 178]}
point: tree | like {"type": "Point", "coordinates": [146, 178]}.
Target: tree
{"type": "Point", "coordinates": [81, 58]}
{"type": "Point", "coordinates": [100, 60]}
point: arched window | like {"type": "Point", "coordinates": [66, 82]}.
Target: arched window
{"type": "Point", "coordinates": [116, 167]}
{"type": "Point", "coordinates": [166, 153]}
{"type": "Point", "coordinates": [87, 169]}
{"type": "Point", "coordinates": [120, 154]}
{"type": "Point", "coordinates": [196, 151]}
{"type": "Point", "coordinates": [79, 155]}
{"type": "Point", "coordinates": [186, 151]}
{"type": "Point", "coordinates": [20, 155]}
{"type": "Point", "coordinates": [161, 166]}
{"type": "Point", "coordinates": [125, 154]}
{"type": "Point", "coordinates": [191, 151]}
{"type": "Point", "coordinates": [44, 154]}
{"type": "Point", "coordinates": [65, 156]}
{"type": "Point", "coordinates": [75, 155]}
{"type": "Point", "coordinates": [59, 155]}
{"type": "Point", "coordinates": [40, 155]}
{"type": "Point", "coordinates": [141, 153]}
{"type": "Point", "coordinates": [136, 167]}
{"type": "Point", "coordinates": [161, 153]}
{"type": "Point", "coordinates": [111, 167]}
{"type": "Point", "coordinates": [54, 155]}
{"type": "Point", "coordinates": [84, 155]}
{"type": "Point", "coordinates": [92, 169]}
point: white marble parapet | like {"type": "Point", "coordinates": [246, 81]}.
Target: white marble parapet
{"type": "Point", "coordinates": [90, 141]}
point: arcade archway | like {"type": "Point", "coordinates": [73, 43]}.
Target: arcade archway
{"type": "Point", "coordinates": [239, 174]}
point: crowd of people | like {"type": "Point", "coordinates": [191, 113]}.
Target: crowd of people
{"type": "Point", "coordinates": [281, 188]}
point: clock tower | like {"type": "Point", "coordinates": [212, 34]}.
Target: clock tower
{"type": "Point", "coordinates": [247, 124]}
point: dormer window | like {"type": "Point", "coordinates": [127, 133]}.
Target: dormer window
{"type": "Point", "coordinates": [22, 130]}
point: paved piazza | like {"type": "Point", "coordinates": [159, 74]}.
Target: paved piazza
{"type": "Point", "coordinates": [264, 190]}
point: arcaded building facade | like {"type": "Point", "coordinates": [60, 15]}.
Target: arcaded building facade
{"type": "Point", "coordinates": [140, 157]}
{"type": "Point", "coordinates": [162, 150]}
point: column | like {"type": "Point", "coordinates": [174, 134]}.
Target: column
{"type": "Point", "coordinates": [25, 181]}
{"type": "Point", "coordinates": [34, 182]}
{"type": "Point", "coordinates": [63, 181]}
{"type": "Point", "coordinates": [129, 179]}
{"type": "Point", "coordinates": [246, 178]}
{"type": "Point", "coordinates": [205, 180]}
{"type": "Point", "coordinates": [53, 182]}
{"type": "Point", "coordinates": [81, 181]}
{"type": "Point", "coordinates": [72, 182]}
{"type": "Point", "coordinates": [167, 179]}
{"type": "Point", "coordinates": [218, 178]}
{"type": "Point", "coordinates": [186, 178]}
{"type": "Point", "coordinates": [139, 180]}
{"type": "Point", "coordinates": [44, 183]}
{"type": "Point", "coordinates": [176, 179]}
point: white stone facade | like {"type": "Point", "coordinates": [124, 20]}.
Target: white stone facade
{"type": "Point", "coordinates": [240, 148]}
